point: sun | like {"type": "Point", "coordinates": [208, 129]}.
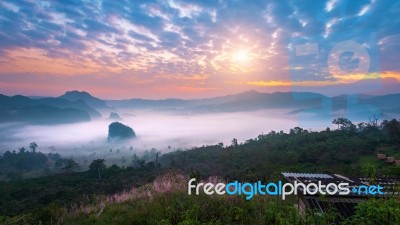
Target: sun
{"type": "Point", "coordinates": [240, 56]}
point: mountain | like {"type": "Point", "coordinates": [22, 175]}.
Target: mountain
{"type": "Point", "coordinates": [44, 115]}
{"type": "Point", "coordinates": [114, 116]}
{"type": "Point", "coordinates": [384, 101]}
{"type": "Point", "coordinates": [147, 103]}
{"type": "Point", "coordinates": [118, 131]}
{"type": "Point", "coordinates": [253, 100]}
{"type": "Point", "coordinates": [245, 101]}
{"type": "Point", "coordinates": [296, 102]}
{"type": "Point", "coordinates": [44, 110]}
{"type": "Point", "coordinates": [19, 101]}
{"type": "Point", "coordinates": [86, 97]}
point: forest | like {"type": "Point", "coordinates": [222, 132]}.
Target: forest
{"type": "Point", "coordinates": [151, 190]}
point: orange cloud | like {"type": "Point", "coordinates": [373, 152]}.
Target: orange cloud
{"type": "Point", "coordinates": [282, 83]}
{"type": "Point", "coordinates": [391, 74]}
{"type": "Point", "coordinates": [186, 88]}
{"type": "Point", "coordinates": [351, 78]}
{"type": "Point", "coordinates": [195, 77]}
{"type": "Point", "coordinates": [24, 60]}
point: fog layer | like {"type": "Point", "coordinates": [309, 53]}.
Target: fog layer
{"type": "Point", "coordinates": [163, 131]}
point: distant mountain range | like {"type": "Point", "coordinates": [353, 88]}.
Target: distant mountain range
{"type": "Point", "coordinates": [252, 100]}
{"type": "Point", "coordinates": [78, 106]}
{"type": "Point", "coordinates": [86, 97]}
{"type": "Point", "coordinates": [44, 110]}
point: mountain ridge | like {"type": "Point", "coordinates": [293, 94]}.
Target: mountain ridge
{"type": "Point", "coordinates": [92, 101]}
{"type": "Point", "coordinates": [240, 102]}
{"type": "Point", "coordinates": [44, 110]}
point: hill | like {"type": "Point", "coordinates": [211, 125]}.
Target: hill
{"type": "Point", "coordinates": [86, 97]}
{"type": "Point", "coordinates": [44, 110]}
{"type": "Point", "coordinates": [118, 131]}
{"type": "Point", "coordinates": [296, 102]}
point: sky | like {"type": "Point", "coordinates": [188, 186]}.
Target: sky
{"type": "Point", "coordinates": [196, 49]}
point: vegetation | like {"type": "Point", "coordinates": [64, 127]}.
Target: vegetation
{"type": "Point", "coordinates": [28, 195]}
{"type": "Point", "coordinates": [104, 195]}
{"type": "Point", "coordinates": [374, 212]}
{"type": "Point", "coordinates": [16, 165]}
{"type": "Point", "coordinates": [345, 150]}
{"type": "Point", "coordinates": [165, 201]}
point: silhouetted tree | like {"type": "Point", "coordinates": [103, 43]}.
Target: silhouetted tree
{"type": "Point", "coordinates": [373, 119]}
{"type": "Point", "coordinates": [234, 142]}
{"type": "Point", "coordinates": [344, 124]}
{"type": "Point", "coordinates": [97, 166]}
{"type": "Point", "coordinates": [21, 150]}
{"type": "Point", "coordinates": [70, 166]}
{"type": "Point", "coordinates": [296, 130]}
{"type": "Point", "coordinates": [138, 162]}
{"type": "Point", "coordinates": [33, 146]}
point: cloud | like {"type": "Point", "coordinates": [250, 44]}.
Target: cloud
{"type": "Point", "coordinates": [184, 38]}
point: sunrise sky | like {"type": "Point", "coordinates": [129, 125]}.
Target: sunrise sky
{"type": "Point", "coordinates": [195, 49]}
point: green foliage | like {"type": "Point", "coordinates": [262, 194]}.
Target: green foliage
{"type": "Point", "coordinates": [344, 124]}
{"type": "Point", "coordinates": [300, 150]}
{"type": "Point", "coordinates": [370, 172]}
{"type": "Point", "coordinates": [28, 195]}
{"type": "Point", "coordinates": [391, 129]}
{"type": "Point", "coordinates": [180, 209]}
{"type": "Point", "coordinates": [13, 165]}
{"type": "Point", "coordinates": [350, 150]}
{"type": "Point", "coordinates": [97, 166]}
{"type": "Point", "coordinates": [70, 166]}
{"type": "Point", "coordinates": [372, 212]}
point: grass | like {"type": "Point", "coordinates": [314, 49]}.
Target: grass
{"type": "Point", "coordinates": [179, 208]}
{"type": "Point", "coordinates": [165, 201]}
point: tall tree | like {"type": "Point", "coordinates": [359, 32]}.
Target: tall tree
{"type": "Point", "coordinates": [33, 146]}
{"type": "Point", "coordinates": [70, 166]}
{"type": "Point", "coordinates": [97, 166]}
{"type": "Point", "coordinates": [344, 124]}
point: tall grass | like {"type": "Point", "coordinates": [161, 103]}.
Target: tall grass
{"type": "Point", "coordinates": [165, 201]}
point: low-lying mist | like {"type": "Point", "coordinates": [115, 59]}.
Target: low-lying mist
{"type": "Point", "coordinates": [163, 131]}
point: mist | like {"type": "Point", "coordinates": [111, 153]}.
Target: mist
{"type": "Point", "coordinates": [163, 131]}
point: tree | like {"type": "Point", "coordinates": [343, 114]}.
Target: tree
{"type": "Point", "coordinates": [370, 172]}
{"type": "Point", "coordinates": [376, 211]}
{"type": "Point", "coordinates": [234, 142]}
{"type": "Point", "coordinates": [123, 161]}
{"type": "Point", "coordinates": [33, 146]}
{"type": "Point", "coordinates": [373, 119]}
{"type": "Point", "coordinates": [344, 124]}
{"type": "Point", "coordinates": [70, 166]}
{"type": "Point", "coordinates": [137, 162]}
{"type": "Point", "coordinates": [296, 130]}
{"type": "Point", "coordinates": [21, 150]}
{"type": "Point", "coordinates": [391, 129]}
{"type": "Point", "coordinates": [97, 166]}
